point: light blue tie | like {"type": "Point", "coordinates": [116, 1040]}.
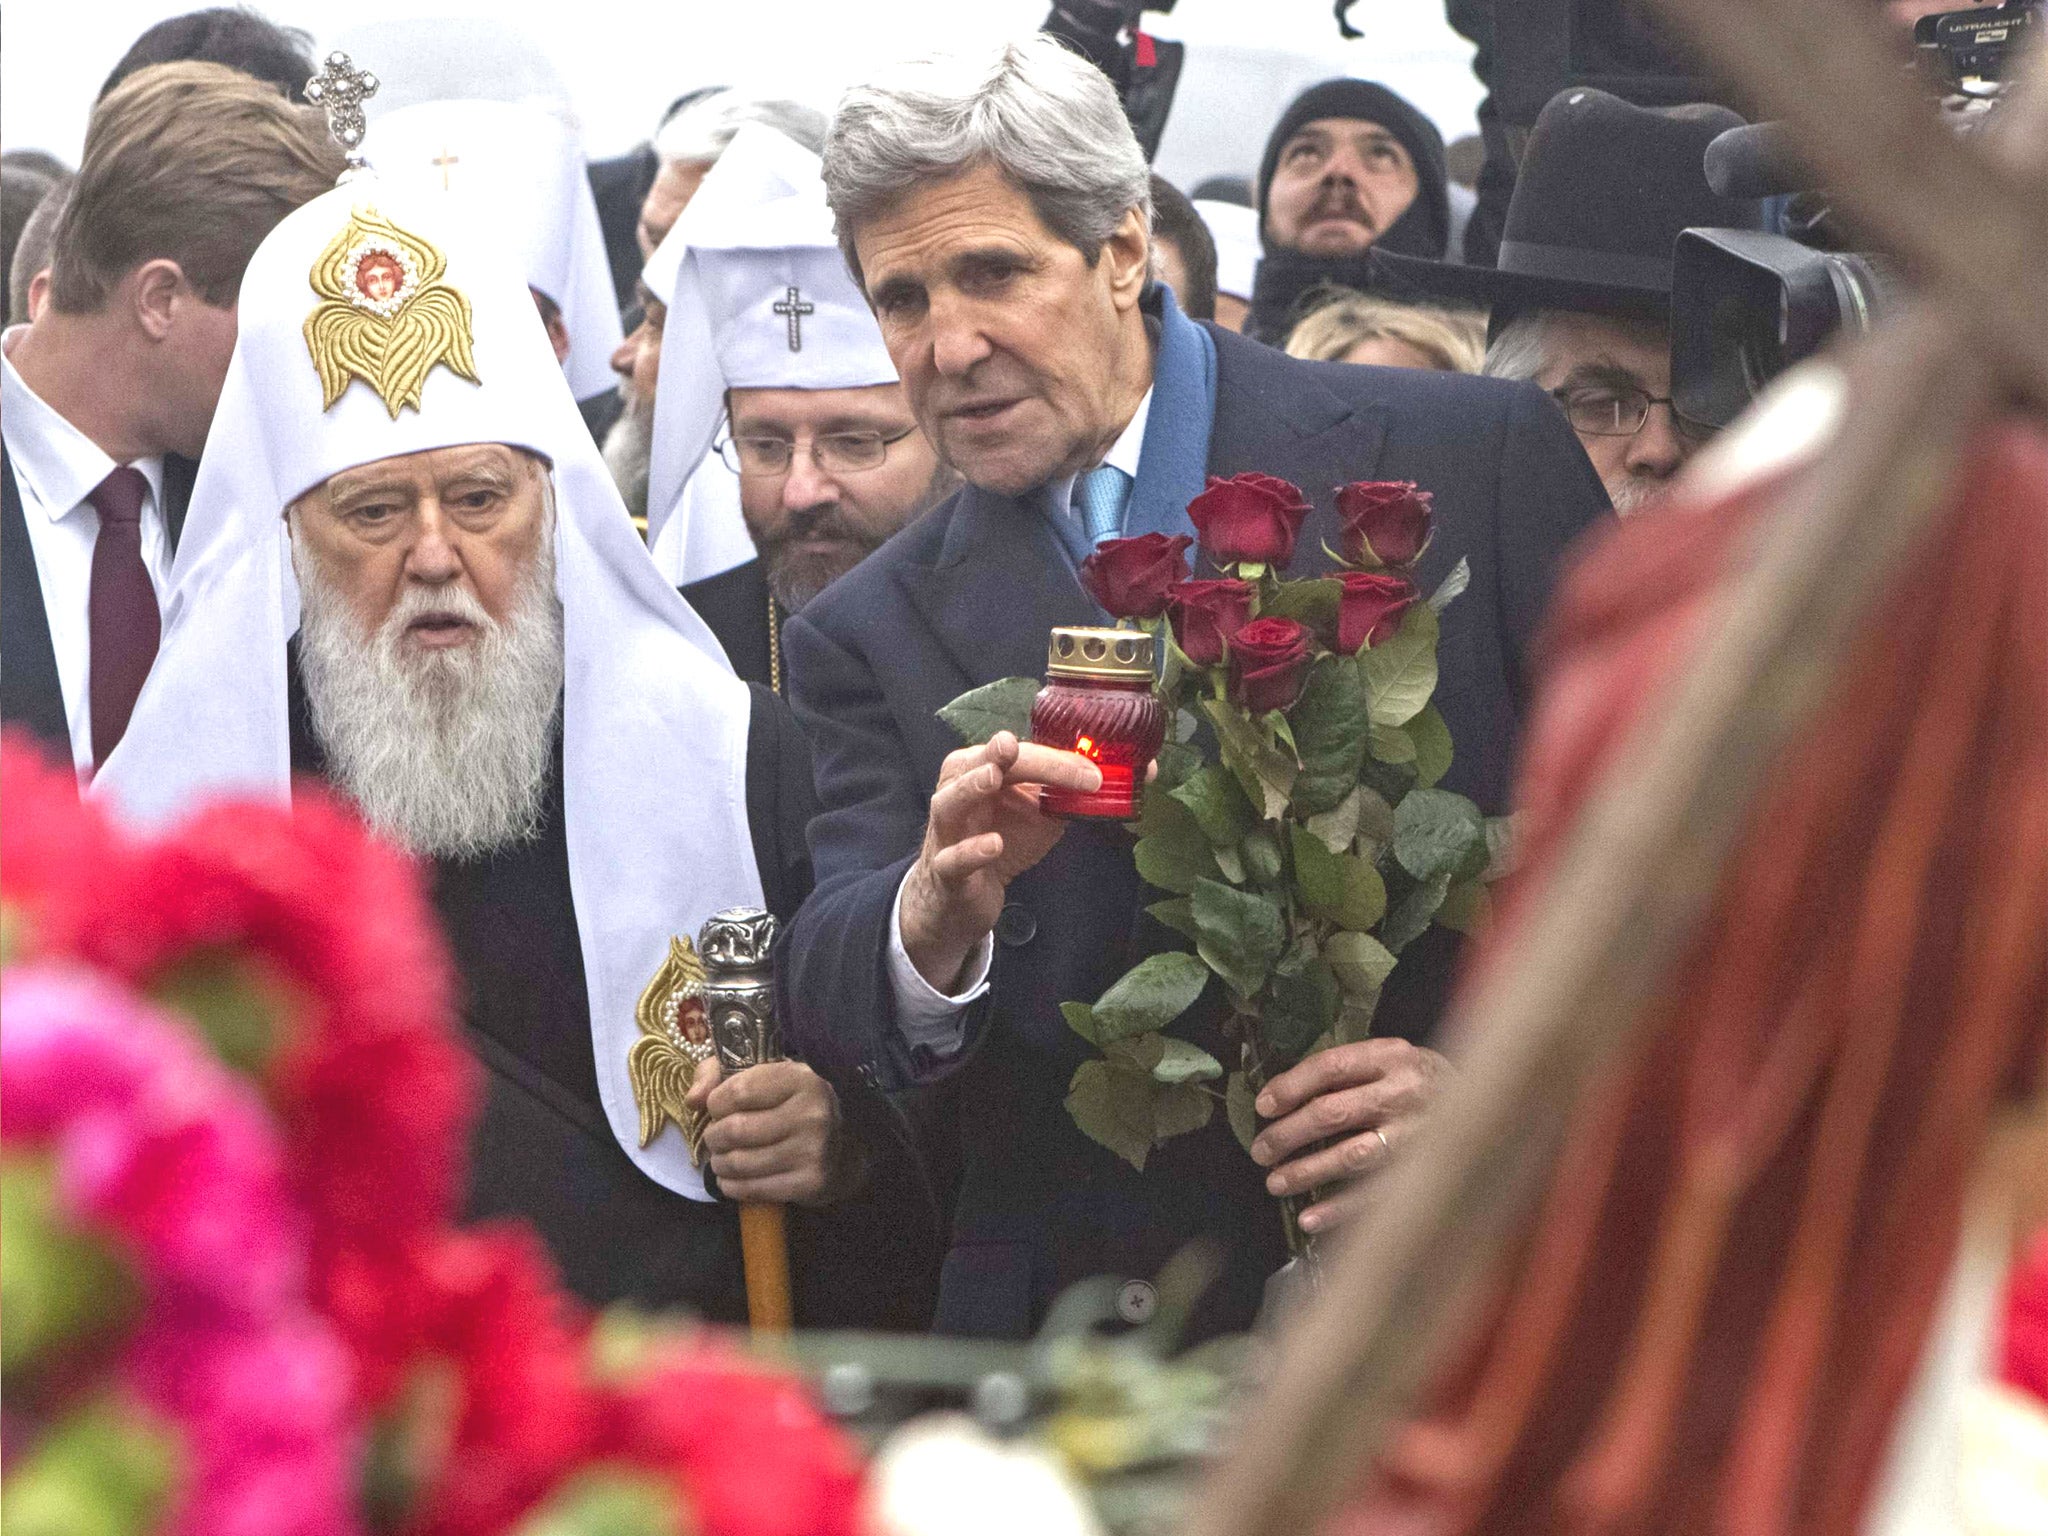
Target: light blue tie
{"type": "Point", "coordinates": [1100, 497]}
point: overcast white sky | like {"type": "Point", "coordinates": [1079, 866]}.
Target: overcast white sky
{"type": "Point", "coordinates": [622, 61]}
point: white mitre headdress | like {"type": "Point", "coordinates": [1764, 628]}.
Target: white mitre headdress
{"type": "Point", "coordinates": [517, 172]}
{"type": "Point", "coordinates": [758, 298]}
{"type": "Point", "coordinates": [373, 326]}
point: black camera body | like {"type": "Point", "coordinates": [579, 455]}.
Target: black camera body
{"type": "Point", "coordinates": [1745, 306]}
{"type": "Point", "coordinates": [1145, 72]}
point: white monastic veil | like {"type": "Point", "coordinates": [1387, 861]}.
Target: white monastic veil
{"type": "Point", "coordinates": [655, 724]}
{"type": "Point", "coordinates": [519, 172]}
{"type": "Point", "coordinates": [757, 230]}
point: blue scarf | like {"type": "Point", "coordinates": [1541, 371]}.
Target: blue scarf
{"type": "Point", "coordinates": [1173, 460]}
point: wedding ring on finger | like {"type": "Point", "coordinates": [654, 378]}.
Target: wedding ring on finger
{"type": "Point", "coordinates": [1385, 1145]}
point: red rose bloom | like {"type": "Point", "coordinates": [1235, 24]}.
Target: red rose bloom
{"type": "Point", "coordinates": [1248, 519]}
{"type": "Point", "coordinates": [1385, 522]}
{"type": "Point", "coordinates": [1130, 577]}
{"type": "Point", "coordinates": [1268, 662]}
{"type": "Point", "coordinates": [1370, 607]}
{"type": "Point", "coordinates": [1205, 613]}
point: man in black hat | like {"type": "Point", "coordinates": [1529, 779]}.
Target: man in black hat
{"type": "Point", "coordinates": [1581, 299]}
{"type": "Point", "coordinates": [1350, 168]}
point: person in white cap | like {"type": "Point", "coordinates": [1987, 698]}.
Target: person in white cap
{"type": "Point", "coordinates": [689, 142]}
{"type": "Point", "coordinates": [406, 572]}
{"type": "Point", "coordinates": [771, 354]}
{"type": "Point", "coordinates": [517, 172]}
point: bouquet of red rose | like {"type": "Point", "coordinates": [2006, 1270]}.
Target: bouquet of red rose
{"type": "Point", "coordinates": [1295, 825]}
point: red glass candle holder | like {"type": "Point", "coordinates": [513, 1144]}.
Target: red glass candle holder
{"type": "Point", "coordinates": [1098, 701]}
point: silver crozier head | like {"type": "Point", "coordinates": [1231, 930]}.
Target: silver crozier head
{"type": "Point", "coordinates": [739, 987]}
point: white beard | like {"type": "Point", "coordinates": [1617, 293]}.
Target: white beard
{"type": "Point", "coordinates": [628, 451]}
{"type": "Point", "coordinates": [1632, 493]}
{"type": "Point", "coordinates": [444, 751]}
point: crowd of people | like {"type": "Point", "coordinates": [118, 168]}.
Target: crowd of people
{"type": "Point", "coordinates": [611, 534]}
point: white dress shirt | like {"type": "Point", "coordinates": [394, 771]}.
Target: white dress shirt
{"type": "Point", "coordinates": [925, 1015]}
{"type": "Point", "coordinates": [56, 467]}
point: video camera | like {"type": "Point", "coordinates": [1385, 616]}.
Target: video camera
{"type": "Point", "coordinates": [1746, 306]}
{"type": "Point", "coordinates": [1145, 70]}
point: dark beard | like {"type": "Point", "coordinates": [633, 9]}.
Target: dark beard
{"type": "Point", "coordinates": [795, 579]}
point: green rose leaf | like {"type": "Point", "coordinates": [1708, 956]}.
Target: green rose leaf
{"type": "Point", "coordinates": [1337, 887]}
{"type": "Point", "coordinates": [1361, 963]}
{"type": "Point", "coordinates": [1264, 773]}
{"type": "Point", "coordinates": [1452, 585]}
{"type": "Point", "coordinates": [1179, 1109]}
{"type": "Point", "coordinates": [1301, 1003]}
{"type": "Point", "coordinates": [1336, 829]}
{"type": "Point", "coordinates": [1432, 740]}
{"type": "Point", "coordinates": [1181, 1062]}
{"type": "Point", "coordinates": [1313, 603]}
{"type": "Point", "coordinates": [1151, 995]}
{"type": "Point", "coordinates": [1409, 916]}
{"type": "Point", "coordinates": [1004, 705]}
{"type": "Point", "coordinates": [1439, 833]}
{"type": "Point", "coordinates": [1466, 907]}
{"type": "Point", "coordinates": [1219, 807]}
{"type": "Point", "coordinates": [1392, 745]}
{"type": "Point", "coordinates": [1172, 853]}
{"type": "Point", "coordinates": [1238, 1101]}
{"type": "Point", "coordinates": [1138, 1053]}
{"type": "Point", "coordinates": [1354, 1020]}
{"type": "Point", "coordinates": [1177, 914]}
{"type": "Point", "coordinates": [1081, 1020]}
{"type": "Point", "coordinates": [1331, 726]}
{"type": "Point", "coordinates": [1389, 781]}
{"type": "Point", "coordinates": [1112, 1104]}
{"type": "Point", "coordinates": [1176, 761]}
{"type": "Point", "coordinates": [1239, 934]}
{"type": "Point", "coordinates": [1400, 674]}
{"type": "Point", "coordinates": [1261, 855]}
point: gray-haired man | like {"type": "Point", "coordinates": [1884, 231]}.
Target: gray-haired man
{"type": "Point", "coordinates": [995, 207]}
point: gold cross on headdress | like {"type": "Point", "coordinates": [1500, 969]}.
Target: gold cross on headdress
{"type": "Point", "coordinates": [340, 89]}
{"type": "Point", "coordinates": [446, 158]}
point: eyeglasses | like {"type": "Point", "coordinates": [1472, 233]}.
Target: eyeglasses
{"type": "Point", "coordinates": [835, 453]}
{"type": "Point", "coordinates": [1608, 410]}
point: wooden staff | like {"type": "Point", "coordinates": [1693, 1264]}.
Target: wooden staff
{"type": "Point", "coordinates": [739, 1006]}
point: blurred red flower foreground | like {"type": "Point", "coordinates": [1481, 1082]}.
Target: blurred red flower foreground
{"type": "Point", "coordinates": [235, 1299]}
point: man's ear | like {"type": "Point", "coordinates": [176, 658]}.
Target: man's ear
{"type": "Point", "coordinates": [1129, 255]}
{"type": "Point", "coordinates": [155, 290]}
{"type": "Point", "coordinates": [38, 293]}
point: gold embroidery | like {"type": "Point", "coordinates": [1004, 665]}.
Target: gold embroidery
{"type": "Point", "coordinates": [675, 1037]}
{"type": "Point", "coordinates": [385, 315]}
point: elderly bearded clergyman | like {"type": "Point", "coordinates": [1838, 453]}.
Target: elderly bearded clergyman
{"type": "Point", "coordinates": [489, 666]}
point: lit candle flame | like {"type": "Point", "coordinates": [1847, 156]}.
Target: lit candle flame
{"type": "Point", "coordinates": [1086, 746]}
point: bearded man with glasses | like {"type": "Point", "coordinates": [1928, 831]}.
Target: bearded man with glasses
{"type": "Point", "coordinates": [771, 359]}
{"type": "Point", "coordinates": [826, 476]}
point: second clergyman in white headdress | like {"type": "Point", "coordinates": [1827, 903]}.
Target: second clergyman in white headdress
{"type": "Point", "coordinates": [771, 360]}
{"type": "Point", "coordinates": [406, 572]}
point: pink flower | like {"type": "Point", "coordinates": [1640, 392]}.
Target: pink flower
{"type": "Point", "coordinates": [157, 1143]}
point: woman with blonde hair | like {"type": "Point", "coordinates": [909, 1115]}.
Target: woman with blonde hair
{"type": "Point", "coordinates": [1352, 328]}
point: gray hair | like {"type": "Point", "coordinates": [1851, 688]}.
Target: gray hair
{"type": "Point", "coordinates": [700, 132]}
{"type": "Point", "coordinates": [1044, 117]}
{"type": "Point", "coordinates": [1522, 348]}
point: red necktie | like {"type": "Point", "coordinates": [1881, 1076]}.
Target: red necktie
{"type": "Point", "coordinates": [121, 608]}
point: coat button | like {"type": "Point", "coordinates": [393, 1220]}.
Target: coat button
{"type": "Point", "coordinates": [1136, 1301]}
{"type": "Point", "coordinates": [1017, 925]}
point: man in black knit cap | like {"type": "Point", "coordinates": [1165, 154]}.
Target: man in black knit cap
{"type": "Point", "coordinates": [1350, 167]}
